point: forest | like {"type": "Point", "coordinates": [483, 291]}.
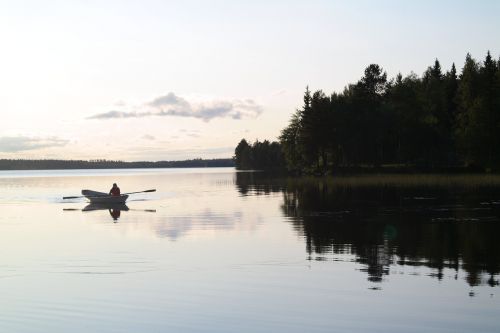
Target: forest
{"type": "Point", "coordinates": [48, 164]}
{"type": "Point", "coordinates": [441, 120]}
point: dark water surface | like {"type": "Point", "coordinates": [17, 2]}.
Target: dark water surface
{"type": "Point", "coordinates": [218, 251]}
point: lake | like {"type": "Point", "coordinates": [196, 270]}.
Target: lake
{"type": "Point", "coordinates": [215, 250]}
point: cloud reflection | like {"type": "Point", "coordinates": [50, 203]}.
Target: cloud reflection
{"type": "Point", "coordinates": [175, 227]}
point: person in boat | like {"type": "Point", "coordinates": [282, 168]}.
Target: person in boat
{"type": "Point", "coordinates": [115, 190]}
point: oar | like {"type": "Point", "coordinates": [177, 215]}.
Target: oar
{"type": "Point", "coordinates": [147, 191]}
{"type": "Point", "coordinates": [83, 196]}
{"type": "Point", "coordinates": [135, 210]}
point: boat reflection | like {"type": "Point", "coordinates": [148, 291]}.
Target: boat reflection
{"type": "Point", "coordinates": [114, 209]}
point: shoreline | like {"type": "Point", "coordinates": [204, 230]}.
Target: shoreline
{"type": "Point", "coordinates": [53, 164]}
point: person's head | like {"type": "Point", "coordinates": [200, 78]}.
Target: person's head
{"type": "Point", "coordinates": [114, 185]}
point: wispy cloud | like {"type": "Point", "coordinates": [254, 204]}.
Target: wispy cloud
{"type": "Point", "coordinates": [117, 114]}
{"type": "Point", "coordinates": [12, 144]}
{"type": "Point", "coordinates": [176, 106]}
{"type": "Point", "coordinates": [279, 92]}
{"type": "Point", "coordinates": [148, 137]}
{"type": "Point", "coordinates": [191, 133]}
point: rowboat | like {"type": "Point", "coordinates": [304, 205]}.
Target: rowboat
{"type": "Point", "coordinates": [104, 198]}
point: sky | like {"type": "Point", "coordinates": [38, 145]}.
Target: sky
{"type": "Point", "coordinates": [173, 80]}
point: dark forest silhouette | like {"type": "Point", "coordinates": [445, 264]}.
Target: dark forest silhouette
{"type": "Point", "coordinates": [10, 164]}
{"type": "Point", "coordinates": [437, 121]}
{"type": "Point", "coordinates": [259, 155]}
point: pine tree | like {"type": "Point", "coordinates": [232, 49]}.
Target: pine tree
{"type": "Point", "coordinates": [374, 82]}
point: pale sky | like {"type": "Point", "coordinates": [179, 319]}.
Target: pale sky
{"type": "Point", "coordinates": [169, 80]}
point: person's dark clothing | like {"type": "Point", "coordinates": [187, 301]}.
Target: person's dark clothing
{"type": "Point", "coordinates": [115, 191]}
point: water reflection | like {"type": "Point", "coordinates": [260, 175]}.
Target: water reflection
{"type": "Point", "coordinates": [175, 227]}
{"type": "Point", "coordinates": [172, 226]}
{"type": "Point", "coordinates": [381, 221]}
{"type": "Point", "coordinates": [114, 209]}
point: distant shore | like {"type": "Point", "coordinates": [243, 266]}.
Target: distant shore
{"type": "Point", "coordinates": [53, 164]}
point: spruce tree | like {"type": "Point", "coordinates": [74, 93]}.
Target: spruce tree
{"type": "Point", "coordinates": [310, 122]}
{"type": "Point", "coordinates": [468, 124]}
{"type": "Point", "coordinates": [489, 112]}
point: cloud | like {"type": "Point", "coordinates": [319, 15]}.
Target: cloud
{"type": "Point", "coordinates": [12, 144]}
{"type": "Point", "coordinates": [169, 100]}
{"type": "Point", "coordinates": [148, 137]}
{"type": "Point", "coordinates": [192, 133]}
{"type": "Point", "coordinates": [115, 114]}
{"type": "Point", "coordinates": [175, 106]}
{"type": "Point", "coordinates": [279, 92]}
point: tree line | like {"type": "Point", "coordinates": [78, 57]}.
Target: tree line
{"type": "Point", "coordinates": [437, 120]}
{"type": "Point", "coordinates": [51, 164]}
{"type": "Point", "coordinates": [259, 155]}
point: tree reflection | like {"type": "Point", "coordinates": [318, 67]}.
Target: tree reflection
{"type": "Point", "coordinates": [382, 224]}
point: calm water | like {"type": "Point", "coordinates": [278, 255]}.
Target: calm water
{"type": "Point", "coordinates": [218, 251]}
